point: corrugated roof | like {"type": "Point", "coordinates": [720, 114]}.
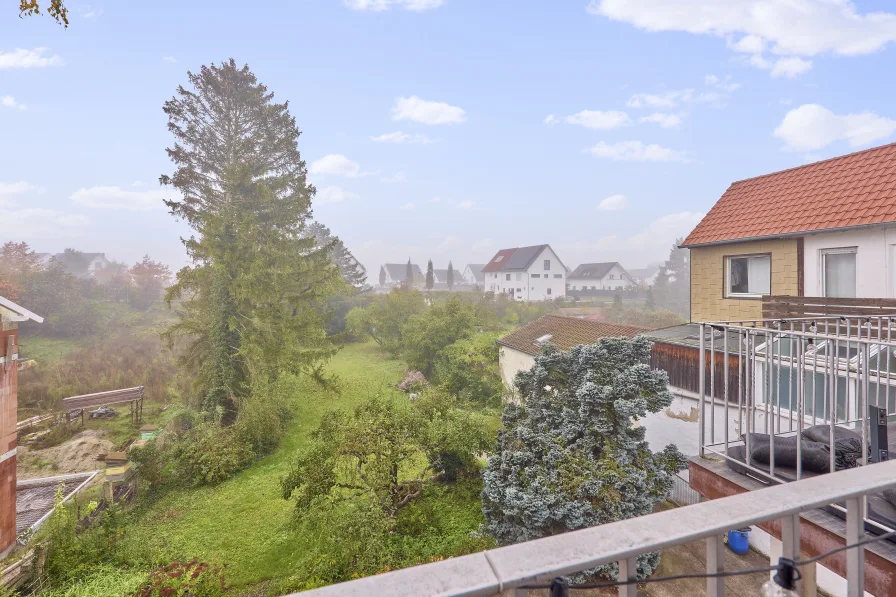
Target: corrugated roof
{"type": "Point", "coordinates": [593, 270]}
{"type": "Point", "coordinates": [857, 189]}
{"type": "Point", "coordinates": [498, 261]}
{"type": "Point", "coordinates": [565, 333]}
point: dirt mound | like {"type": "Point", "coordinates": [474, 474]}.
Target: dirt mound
{"type": "Point", "coordinates": [76, 455]}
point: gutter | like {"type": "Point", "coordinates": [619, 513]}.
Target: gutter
{"type": "Point", "coordinates": [747, 239]}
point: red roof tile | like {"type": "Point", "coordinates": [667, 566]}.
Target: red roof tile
{"type": "Point", "coordinates": [498, 261]}
{"type": "Point", "coordinates": [566, 332]}
{"type": "Point", "coordinates": [857, 189]}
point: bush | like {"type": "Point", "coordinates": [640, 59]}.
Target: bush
{"type": "Point", "coordinates": [264, 415]}
{"type": "Point", "coordinates": [469, 369]}
{"type": "Point", "coordinates": [208, 454]}
{"type": "Point", "coordinates": [193, 579]}
{"type": "Point", "coordinates": [150, 462]}
{"type": "Point", "coordinates": [413, 381]}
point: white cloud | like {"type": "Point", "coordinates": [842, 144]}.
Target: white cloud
{"type": "Point", "coordinates": [551, 119]}
{"type": "Point", "coordinates": [118, 198]}
{"type": "Point", "coordinates": [613, 203]}
{"type": "Point", "coordinates": [790, 67]}
{"type": "Point", "coordinates": [8, 189]}
{"type": "Point", "coordinates": [8, 101]}
{"type": "Point", "coordinates": [137, 183]}
{"type": "Point", "coordinates": [334, 195]}
{"type": "Point", "coordinates": [667, 121]}
{"type": "Point", "coordinates": [400, 137]}
{"type": "Point", "coordinates": [409, 205]}
{"type": "Point", "coordinates": [598, 120]}
{"type": "Point", "coordinates": [39, 223]}
{"type": "Point", "coordinates": [466, 204]}
{"type": "Point", "coordinates": [89, 12]}
{"type": "Point", "coordinates": [380, 5]}
{"type": "Point", "coordinates": [786, 28]}
{"type": "Point", "coordinates": [170, 59]}
{"type": "Point", "coordinates": [420, 110]}
{"type": "Point", "coordinates": [726, 84]}
{"type": "Point", "coordinates": [637, 152]}
{"type": "Point", "coordinates": [36, 58]}
{"type": "Point", "coordinates": [397, 178]}
{"type": "Point", "coordinates": [805, 28]}
{"type": "Point", "coordinates": [335, 163]}
{"type": "Point", "coordinates": [812, 127]}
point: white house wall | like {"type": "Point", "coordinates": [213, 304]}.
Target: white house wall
{"type": "Point", "coordinates": [511, 362]}
{"type": "Point", "coordinates": [525, 287]}
{"type": "Point", "coordinates": [620, 280]}
{"type": "Point", "coordinates": [875, 260]}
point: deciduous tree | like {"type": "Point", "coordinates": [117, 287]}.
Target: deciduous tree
{"type": "Point", "coordinates": [569, 457]}
{"type": "Point", "coordinates": [150, 280]}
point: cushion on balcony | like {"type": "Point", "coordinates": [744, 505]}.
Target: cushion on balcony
{"type": "Point", "coordinates": [814, 455]}
{"type": "Point", "coordinates": [822, 433]}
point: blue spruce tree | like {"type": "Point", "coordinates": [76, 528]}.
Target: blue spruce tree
{"type": "Point", "coordinates": [568, 457]}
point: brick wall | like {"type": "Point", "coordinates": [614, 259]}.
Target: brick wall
{"type": "Point", "coordinates": [8, 417]}
{"type": "Point", "coordinates": [708, 279]}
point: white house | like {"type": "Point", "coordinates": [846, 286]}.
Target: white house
{"type": "Point", "coordinates": [473, 274]}
{"type": "Point", "coordinates": [599, 276]}
{"type": "Point", "coordinates": [644, 276]}
{"type": "Point", "coordinates": [82, 265]}
{"type": "Point", "coordinates": [526, 274]}
{"type": "Point", "coordinates": [394, 274]}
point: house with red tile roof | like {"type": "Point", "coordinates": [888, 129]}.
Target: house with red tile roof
{"type": "Point", "coordinates": [826, 229]}
{"type": "Point", "coordinates": [526, 274]}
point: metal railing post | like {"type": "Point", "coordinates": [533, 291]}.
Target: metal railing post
{"type": "Point", "coordinates": [702, 386]}
{"type": "Point", "coordinates": [855, 557]}
{"type": "Point", "coordinates": [628, 570]}
{"type": "Point", "coordinates": [715, 563]}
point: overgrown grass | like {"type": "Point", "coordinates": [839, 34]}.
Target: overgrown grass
{"type": "Point", "coordinates": [244, 522]}
{"type": "Point", "coordinates": [46, 350]}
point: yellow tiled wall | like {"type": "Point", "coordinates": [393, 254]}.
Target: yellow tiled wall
{"type": "Point", "coordinates": [708, 279]}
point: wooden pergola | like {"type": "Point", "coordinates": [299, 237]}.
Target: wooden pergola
{"type": "Point", "coordinates": [134, 396]}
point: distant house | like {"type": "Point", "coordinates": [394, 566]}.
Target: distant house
{"type": "Point", "coordinates": [644, 277]}
{"type": "Point", "coordinates": [517, 350]}
{"type": "Point", "coordinates": [526, 273]}
{"type": "Point", "coordinates": [473, 274]}
{"type": "Point", "coordinates": [394, 274]}
{"type": "Point", "coordinates": [440, 276]}
{"type": "Point", "coordinates": [82, 265]}
{"type": "Point", "coordinates": [599, 276]}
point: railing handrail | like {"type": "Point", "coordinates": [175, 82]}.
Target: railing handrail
{"type": "Point", "coordinates": [496, 570]}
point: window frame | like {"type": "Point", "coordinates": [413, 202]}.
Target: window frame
{"type": "Point", "coordinates": [822, 265]}
{"type": "Point", "coordinates": [547, 265]}
{"type": "Point", "coordinates": [727, 277]}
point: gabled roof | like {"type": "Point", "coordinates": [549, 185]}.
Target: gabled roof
{"type": "Point", "coordinates": [498, 261]}
{"type": "Point", "coordinates": [397, 270]}
{"type": "Point", "coordinates": [442, 275]}
{"type": "Point", "coordinates": [476, 270]}
{"type": "Point", "coordinates": [645, 272]}
{"type": "Point", "coordinates": [594, 271]}
{"type": "Point", "coordinates": [565, 333]}
{"type": "Point", "coordinates": [858, 189]}
{"type": "Point", "coordinates": [9, 311]}
{"type": "Point", "coordinates": [522, 258]}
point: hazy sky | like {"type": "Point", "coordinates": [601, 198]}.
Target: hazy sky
{"type": "Point", "coordinates": [446, 129]}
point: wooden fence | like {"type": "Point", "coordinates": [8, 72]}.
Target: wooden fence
{"type": "Point", "coordinates": [682, 364]}
{"type": "Point", "coordinates": [783, 307]}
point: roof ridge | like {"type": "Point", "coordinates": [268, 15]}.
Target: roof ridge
{"type": "Point", "coordinates": [801, 166]}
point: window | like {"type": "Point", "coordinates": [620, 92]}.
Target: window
{"type": "Point", "coordinates": [549, 291]}
{"type": "Point", "coordinates": [537, 276]}
{"type": "Point", "coordinates": [498, 259]}
{"type": "Point", "coordinates": [750, 275]}
{"type": "Point", "coordinates": [547, 265]}
{"type": "Point", "coordinates": [557, 276]}
{"type": "Point", "coordinates": [519, 277]}
{"type": "Point", "coordinates": [508, 277]}
{"type": "Point", "coordinates": [838, 272]}
{"type": "Point", "coordinates": [519, 290]}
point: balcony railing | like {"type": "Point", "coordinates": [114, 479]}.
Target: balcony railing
{"type": "Point", "coordinates": [509, 568]}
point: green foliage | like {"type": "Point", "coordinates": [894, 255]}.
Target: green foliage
{"type": "Point", "coordinates": [450, 276]}
{"type": "Point", "coordinates": [150, 463]}
{"type": "Point", "coordinates": [105, 581]}
{"type": "Point", "coordinates": [387, 449]}
{"type": "Point", "coordinates": [569, 457]}
{"type": "Point", "coordinates": [72, 554]}
{"type": "Point", "coordinates": [427, 333]}
{"type": "Point", "coordinates": [254, 297]}
{"type": "Point", "coordinates": [430, 277]}
{"type": "Point", "coordinates": [208, 454]}
{"type": "Point", "coordinates": [350, 268]}
{"type": "Point", "coordinates": [469, 369]}
{"type": "Point", "coordinates": [265, 414]}
{"type": "Point", "coordinates": [385, 318]}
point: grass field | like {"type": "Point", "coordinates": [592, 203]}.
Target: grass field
{"type": "Point", "coordinates": [45, 350]}
{"type": "Point", "coordinates": [244, 522]}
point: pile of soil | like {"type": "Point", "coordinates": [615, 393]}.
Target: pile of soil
{"type": "Point", "coordinates": [76, 455]}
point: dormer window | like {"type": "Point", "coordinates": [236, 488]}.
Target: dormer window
{"type": "Point", "coordinates": [540, 341]}
{"type": "Point", "coordinates": [498, 258]}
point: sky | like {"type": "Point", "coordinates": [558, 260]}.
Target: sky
{"type": "Point", "coordinates": [445, 129]}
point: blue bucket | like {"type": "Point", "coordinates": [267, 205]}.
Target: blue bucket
{"type": "Point", "coordinates": [739, 540]}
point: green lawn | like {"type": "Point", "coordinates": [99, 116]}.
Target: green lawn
{"type": "Point", "coordinates": [45, 350]}
{"type": "Point", "coordinates": [244, 522]}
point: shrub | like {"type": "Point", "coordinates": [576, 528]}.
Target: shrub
{"type": "Point", "coordinates": [193, 579]}
{"type": "Point", "coordinates": [106, 581]}
{"type": "Point", "coordinates": [469, 369]}
{"type": "Point", "coordinates": [150, 462]}
{"type": "Point", "coordinates": [208, 454]}
{"type": "Point", "coordinates": [263, 416]}
{"type": "Point", "coordinates": [413, 381]}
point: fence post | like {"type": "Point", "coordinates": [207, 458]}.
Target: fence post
{"type": "Point", "coordinates": [702, 384]}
